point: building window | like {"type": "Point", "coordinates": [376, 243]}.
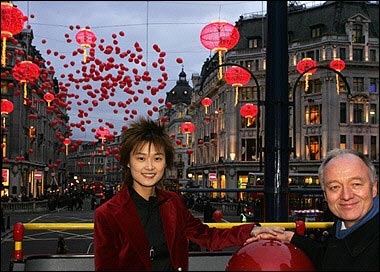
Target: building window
{"type": "Point", "coordinates": [358, 84]}
{"type": "Point", "coordinates": [358, 143]}
{"type": "Point", "coordinates": [248, 122]}
{"type": "Point", "coordinates": [358, 113]}
{"type": "Point", "coordinates": [343, 141]}
{"type": "Point", "coordinates": [372, 55]}
{"type": "Point", "coordinates": [313, 147]}
{"type": "Point", "coordinates": [342, 53]}
{"type": "Point", "coordinates": [313, 114]}
{"type": "Point", "coordinates": [373, 85]}
{"type": "Point", "coordinates": [357, 34]}
{"type": "Point", "coordinates": [343, 113]}
{"type": "Point", "coordinates": [357, 54]}
{"type": "Point", "coordinates": [316, 32]}
{"type": "Point", "coordinates": [248, 93]}
{"type": "Point", "coordinates": [253, 43]}
{"type": "Point", "coordinates": [373, 114]}
{"type": "Point", "coordinates": [373, 149]}
{"type": "Point", "coordinates": [248, 150]}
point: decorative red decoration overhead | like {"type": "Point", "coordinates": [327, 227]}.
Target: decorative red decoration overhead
{"type": "Point", "coordinates": [237, 77]}
{"type": "Point", "coordinates": [249, 110]}
{"type": "Point", "coordinates": [338, 65]}
{"type": "Point", "coordinates": [102, 133]}
{"type": "Point", "coordinates": [26, 71]}
{"type": "Point", "coordinates": [187, 127]}
{"type": "Point", "coordinates": [66, 142]}
{"type": "Point", "coordinates": [48, 98]}
{"type": "Point", "coordinates": [206, 102]}
{"type": "Point", "coordinates": [219, 36]}
{"type": "Point", "coordinates": [12, 23]}
{"type": "Point", "coordinates": [189, 151]}
{"type": "Point", "coordinates": [6, 106]}
{"type": "Point", "coordinates": [305, 64]}
{"type": "Point", "coordinates": [85, 38]}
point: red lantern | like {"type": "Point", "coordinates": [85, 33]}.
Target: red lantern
{"type": "Point", "coordinates": [189, 151]}
{"type": "Point", "coordinates": [219, 36]}
{"type": "Point", "coordinates": [66, 142]}
{"type": "Point", "coordinates": [12, 23]}
{"type": "Point", "coordinates": [187, 127]}
{"type": "Point", "coordinates": [6, 108]}
{"type": "Point", "coordinates": [85, 38]}
{"type": "Point", "coordinates": [305, 64]}
{"type": "Point", "coordinates": [249, 110]}
{"type": "Point", "coordinates": [338, 65]}
{"type": "Point", "coordinates": [102, 133]}
{"type": "Point", "coordinates": [26, 71]}
{"type": "Point", "coordinates": [206, 102]}
{"type": "Point", "coordinates": [237, 77]}
{"type": "Point", "coordinates": [48, 98]}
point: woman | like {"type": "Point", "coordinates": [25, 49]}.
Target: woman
{"type": "Point", "coordinates": [144, 227]}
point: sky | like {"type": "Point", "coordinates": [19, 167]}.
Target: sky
{"type": "Point", "coordinates": [165, 33]}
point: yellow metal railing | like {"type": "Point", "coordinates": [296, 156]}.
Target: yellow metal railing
{"type": "Point", "coordinates": [18, 229]}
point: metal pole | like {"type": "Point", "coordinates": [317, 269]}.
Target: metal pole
{"type": "Point", "coordinates": [276, 114]}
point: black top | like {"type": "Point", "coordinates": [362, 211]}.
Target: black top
{"type": "Point", "coordinates": [150, 217]}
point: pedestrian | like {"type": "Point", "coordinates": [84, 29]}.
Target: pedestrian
{"type": "Point", "coordinates": [144, 227]}
{"type": "Point", "coordinates": [350, 186]}
{"type": "Point", "coordinates": [208, 212]}
{"type": "Point", "coordinates": [61, 245]}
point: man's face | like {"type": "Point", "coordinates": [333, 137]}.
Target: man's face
{"type": "Point", "coordinates": [348, 189]}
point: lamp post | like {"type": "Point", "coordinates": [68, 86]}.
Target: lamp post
{"type": "Point", "coordinates": [259, 102]}
{"type": "Point", "coordinates": [293, 103]}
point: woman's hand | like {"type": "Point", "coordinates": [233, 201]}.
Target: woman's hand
{"type": "Point", "coordinates": [269, 232]}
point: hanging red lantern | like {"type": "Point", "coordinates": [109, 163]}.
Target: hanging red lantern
{"type": "Point", "coordinates": [12, 23]}
{"type": "Point", "coordinates": [249, 110]}
{"type": "Point", "coordinates": [66, 142]}
{"type": "Point", "coordinates": [305, 64]}
{"type": "Point", "coordinates": [206, 102]}
{"type": "Point", "coordinates": [48, 98]}
{"type": "Point", "coordinates": [338, 65]}
{"type": "Point", "coordinates": [6, 108]}
{"type": "Point", "coordinates": [26, 71]}
{"type": "Point", "coordinates": [189, 151]}
{"type": "Point", "coordinates": [85, 38]}
{"type": "Point", "coordinates": [187, 127]}
{"type": "Point", "coordinates": [219, 36]}
{"type": "Point", "coordinates": [102, 133]}
{"type": "Point", "coordinates": [237, 77]}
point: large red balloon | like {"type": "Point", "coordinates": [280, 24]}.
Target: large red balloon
{"type": "Point", "coordinates": [269, 255]}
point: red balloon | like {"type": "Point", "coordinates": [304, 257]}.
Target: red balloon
{"type": "Point", "coordinates": [217, 215]}
{"type": "Point", "coordinates": [269, 255]}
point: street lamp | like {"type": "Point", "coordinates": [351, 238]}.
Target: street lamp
{"type": "Point", "coordinates": [293, 103]}
{"type": "Point", "coordinates": [200, 93]}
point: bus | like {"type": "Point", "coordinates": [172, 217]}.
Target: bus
{"type": "Point", "coordinates": [306, 200]}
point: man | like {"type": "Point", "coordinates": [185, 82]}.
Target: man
{"type": "Point", "coordinates": [350, 186]}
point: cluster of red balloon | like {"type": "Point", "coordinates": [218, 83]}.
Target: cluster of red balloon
{"type": "Point", "coordinates": [108, 73]}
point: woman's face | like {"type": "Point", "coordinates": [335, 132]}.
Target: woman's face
{"type": "Point", "coordinates": [147, 165]}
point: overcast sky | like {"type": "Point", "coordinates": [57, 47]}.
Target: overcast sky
{"type": "Point", "coordinates": [172, 25]}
